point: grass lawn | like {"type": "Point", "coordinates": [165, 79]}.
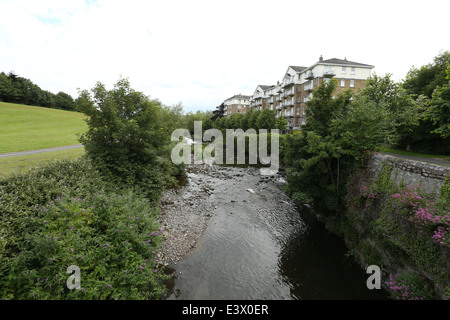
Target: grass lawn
{"type": "Point", "coordinates": [416, 154]}
{"type": "Point", "coordinates": [19, 164]}
{"type": "Point", "coordinates": [27, 127]}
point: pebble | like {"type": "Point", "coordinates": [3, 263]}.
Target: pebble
{"type": "Point", "coordinates": [186, 210]}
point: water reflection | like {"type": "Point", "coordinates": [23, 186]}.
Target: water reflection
{"type": "Point", "coordinates": [314, 265]}
{"type": "Point", "coordinates": [259, 246]}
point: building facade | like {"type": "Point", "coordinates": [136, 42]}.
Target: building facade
{"type": "Point", "coordinates": [288, 98]}
{"type": "Point", "coordinates": [236, 104]}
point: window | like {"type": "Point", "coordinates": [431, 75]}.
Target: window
{"type": "Point", "coordinates": [352, 70]}
{"type": "Point", "coordinates": [352, 83]}
{"type": "Point", "coordinates": [326, 80]}
{"type": "Point", "coordinates": [344, 69]}
{"type": "Point", "coordinates": [342, 82]}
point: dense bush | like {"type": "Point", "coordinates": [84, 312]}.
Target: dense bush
{"type": "Point", "coordinates": [65, 214]}
{"type": "Point", "coordinates": [128, 137]}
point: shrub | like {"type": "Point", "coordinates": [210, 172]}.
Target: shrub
{"type": "Point", "coordinates": [112, 239]}
{"type": "Point", "coordinates": [128, 137]}
{"type": "Point", "coordinates": [409, 286]}
{"type": "Point", "coordinates": [68, 205]}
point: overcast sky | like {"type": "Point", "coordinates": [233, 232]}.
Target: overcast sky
{"type": "Point", "coordinates": [202, 52]}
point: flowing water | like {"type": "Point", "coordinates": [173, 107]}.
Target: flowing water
{"type": "Point", "coordinates": [259, 245]}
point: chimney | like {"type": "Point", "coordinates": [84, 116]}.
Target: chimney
{"type": "Point", "coordinates": [345, 58]}
{"type": "Point", "coordinates": [321, 58]}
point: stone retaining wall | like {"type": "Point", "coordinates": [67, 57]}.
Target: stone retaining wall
{"type": "Point", "coordinates": [429, 176]}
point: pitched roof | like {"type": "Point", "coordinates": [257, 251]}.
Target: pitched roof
{"type": "Point", "coordinates": [264, 87]}
{"type": "Point", "coordinates": [297, 68]}
{"type": "Point", "coordinates": [239, 96]}
{"type": "Point", "coordinates": [344, 62]}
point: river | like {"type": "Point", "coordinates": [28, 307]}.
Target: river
{"type": "Point", "coordinates": [258, 244]}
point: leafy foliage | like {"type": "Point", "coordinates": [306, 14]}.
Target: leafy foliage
{"type": "Point", "coordinates": [424, 80]}
{"type": "Point", "coordinates": [67, 213]}
{"type": "Point", "coordinates": [338, 137]}
{"type": "Point", "coordinates": [439, 111]}
{"type": "Point", "coordinates": [428, 85]}
{"type": "Point", "coordinates": [282, 124]}
{"type": "Point", "coordinates": [127, 137]}
{"type": "Point", "coordinates": [253, 119]}
{"type": "Point", "coordinates": [17, 89]}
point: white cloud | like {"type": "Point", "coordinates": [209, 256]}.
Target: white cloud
{"type": "Point", "coordinates": [202, 52]}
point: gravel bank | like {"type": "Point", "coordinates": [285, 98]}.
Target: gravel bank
{"type": "Point", "coordinates": [186, 210]}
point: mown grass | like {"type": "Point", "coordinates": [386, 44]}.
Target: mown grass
{"type": "Point", "coordinates": [21, 164]}
{"type": "Point", "coordinates": [27, 127]}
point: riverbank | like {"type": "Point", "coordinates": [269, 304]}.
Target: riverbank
{"type": "Point", "coordinates": [231, 233]}
{"type": "Point", "coordinates": [187, 209]}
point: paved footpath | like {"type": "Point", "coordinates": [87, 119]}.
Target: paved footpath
{"type": "Point", "coordinates": [25, 153]}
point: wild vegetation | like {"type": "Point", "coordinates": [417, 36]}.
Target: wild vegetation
{"type": "Point", "coordinates": [20, 90]}
{"type": "Point", "coordinates": [100, 212]}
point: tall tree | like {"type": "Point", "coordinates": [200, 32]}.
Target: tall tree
{"type": "Point", "coordinates": [64, 101]}
{"type": "Point", "coordinates": [424, 80]}
{"type": "Point", "coordinates": [439, 111]}
{"type": "Point", "coordinates": [126, 137]}
{"type": "Point", "coordinates": [266, 119]}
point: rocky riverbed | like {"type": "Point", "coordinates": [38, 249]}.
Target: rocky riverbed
{"type": "Point", "coordinates": [186, 210]}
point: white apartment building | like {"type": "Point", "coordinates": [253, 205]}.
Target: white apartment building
{"type": "Point", "coordinates": [288, 98]}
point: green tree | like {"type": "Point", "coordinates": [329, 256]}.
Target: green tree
{"type": "Point", "coordinates": [63, 101]}
{"type": "Point", "coordinates": [424, 80]}
{"type": "Point", "coordinates": [281, 123]}
{"type": "Point", "coordinates": [429, 136]}
{"type": "Point", "coordinates": [439, 111]}
{"type": "Point", "coordinates": [6, 88]}
{"type": "Point", "coordinates": [337, 138]}
{"type": "Point", "coordinates": [266, 119]}
{"type": "Point", "coordinates": [252, 119]}
{"type": "Point", "coordinates": [126, 137]}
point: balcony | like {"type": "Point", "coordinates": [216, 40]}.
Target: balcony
{"type": "Point", "coordinates": [328, 73]}
{"type": "Point", "coordinates": [289, 103]}
{"type": "Point", "coordinates": [308, 87]}
{"type": "Point", "coordinates": [290, 93]}
{"type": "Point", "coordinates": [288, 82]}
{"type": "Point", "coordinates": [310, 76]}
